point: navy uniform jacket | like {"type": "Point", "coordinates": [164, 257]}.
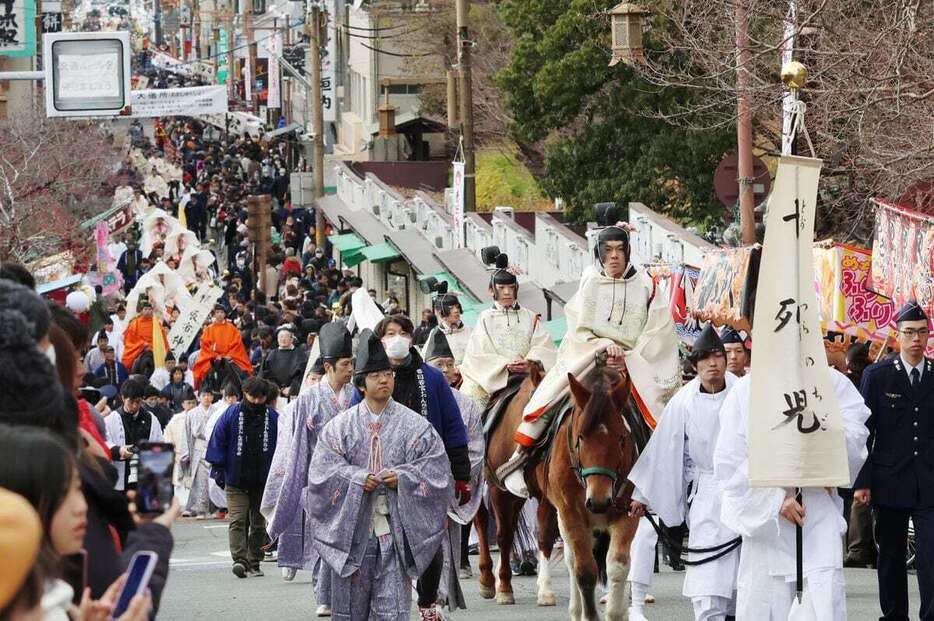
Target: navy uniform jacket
{"type": "Point", "coordinates": [900, 468]}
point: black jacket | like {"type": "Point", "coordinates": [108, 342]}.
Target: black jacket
{"type": "Point", "coordinates": [900, 467]}
{"type": "Point", "coordinates": [107, 508]}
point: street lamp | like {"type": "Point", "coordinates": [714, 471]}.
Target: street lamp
{"type": "Point", "coordinates": [626, 20]}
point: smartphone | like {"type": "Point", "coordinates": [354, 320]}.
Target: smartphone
{"type": "Point", "coordinates": [137, 580]}
{"type": "Point", "coordinates": [75, 573]}
{"type": "Point", "coordinates": [154, 484]}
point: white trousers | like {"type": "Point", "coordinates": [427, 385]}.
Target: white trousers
{"type": "Point", "coordinates": [712, 607]}
{"type": "Point", "coordinates": [769, 598]}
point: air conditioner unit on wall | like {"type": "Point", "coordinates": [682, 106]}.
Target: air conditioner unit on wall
{"type": "Point", "coordinates": [375, 210]}
{"type": "Point", "coordinates": [439, 243]}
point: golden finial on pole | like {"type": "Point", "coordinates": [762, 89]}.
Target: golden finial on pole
{"type": "Point", "coordinates": [794, 75]}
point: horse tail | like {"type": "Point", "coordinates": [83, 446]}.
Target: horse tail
{"type": "Point", "coordinates": [601, 547]}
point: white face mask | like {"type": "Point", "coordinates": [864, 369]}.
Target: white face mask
{"type": "Point", "coordinates": [397, 346]}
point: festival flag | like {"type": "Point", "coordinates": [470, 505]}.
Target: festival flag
{"type": "Point", "coordinates": [182, 218]}
{"type": "Point", "coordinates": [796, 436]}
{"type": "Point", "coordinates": [158, 345]}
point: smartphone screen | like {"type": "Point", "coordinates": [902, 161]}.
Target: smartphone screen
{"type": "Point", "coordinates": [154, 486]}
{"type": "Point", "coordinates": [137, 580]}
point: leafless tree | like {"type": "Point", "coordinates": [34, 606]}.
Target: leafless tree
{"type": "Point", "coordinates": [51, 175]}
{"type": "Point", "coordinates": [870, 95]}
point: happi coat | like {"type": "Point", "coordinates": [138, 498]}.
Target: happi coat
{"type": "Point", "coordinates": [500, 336]}
{"type": "Point", "coordinates": [225, 448]}
{"type": "Point", "coordinates": [767, 560]}
{"type": "Point", "coordinates": [197, 436]}
{"type": "Point", "coordinates": [138, 337]}
{"type": "Point", "coordinates": [629, 312]}
{"type": "Point", "coordinates": [217, 341]}
{"type": "Point", "coordinates": [674, 476]}
{"type": "Point", "coordinates": [284, 497]}
{"type": "Point", "coordinates": [376, 543]}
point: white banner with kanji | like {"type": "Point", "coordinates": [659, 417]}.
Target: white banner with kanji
{"type": "Point", "coordinates": [192, 318]}
{"type": "Point", "coordinates": [796, 436]}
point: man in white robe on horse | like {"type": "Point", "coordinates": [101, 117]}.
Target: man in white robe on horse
{"type": "Point", "coordinates": [616, 310]}
{"type": "Point", "coordinates": [674, 477]}
{"type": "Point", "coordinates": [506, 338]}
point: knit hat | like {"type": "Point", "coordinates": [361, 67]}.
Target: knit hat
{"type": "Point", "coordinates": [20, 536]}
{"type": "Point", "coordinates": [26, 301]}
{"type": "Point", "coordinates": [30, 392]}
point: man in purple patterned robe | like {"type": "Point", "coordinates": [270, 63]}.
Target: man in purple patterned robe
{"type": "Point", "coordinates": [379, 486]}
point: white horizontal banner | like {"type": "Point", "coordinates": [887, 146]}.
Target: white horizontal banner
{"type": "Point", "coordinates": [191, 101]}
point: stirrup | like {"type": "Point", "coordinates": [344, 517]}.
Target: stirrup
{"type": "Point", "coordinates": [517, 461]}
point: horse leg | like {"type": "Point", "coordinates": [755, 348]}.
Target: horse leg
{"type": "Point", "coordinates": [506, 508]}
{"type": "Point", "coordinates": [617, 569]}
{"type": "Point", "coordinates": [579, 540]}
{"type": "Point", "coordinates": [487, 580]}
{"type": "Point", "coordinates": [575, 606]}
{"type": "Point", "coordinates": [547, 532]}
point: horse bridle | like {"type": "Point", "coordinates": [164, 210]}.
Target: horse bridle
{"type": "Point", "coordinates": [582, 473]}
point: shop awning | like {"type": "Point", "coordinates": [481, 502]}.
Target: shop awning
{"type": "Point", "coordinates": [416, 250]}
{"type": "Point", "coordinates": [380, 253]}
{"type": "Point", "coordinates": [557, 328]}
{"type": "Point", "coordinates": [347, 242]}
{"type": "Point", "coordinates": [349, 245]}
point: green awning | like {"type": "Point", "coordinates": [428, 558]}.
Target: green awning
{"type": "Point", "coordinates": [557, 328]}
{"type": "Point", "coordinates": [380, 253]}
{"type": "Point", "coordinates": [348, 242]}
{"type": "Point", "coordinates": [352, 259]}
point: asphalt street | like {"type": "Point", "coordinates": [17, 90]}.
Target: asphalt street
{"type": "Point", "coordinates": [201, 587]}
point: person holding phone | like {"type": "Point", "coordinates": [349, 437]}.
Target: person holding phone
{"type": "Point", "coordinates": [240, 450]}
{"type": "Point", "coordinates": [380, 469]}
{"type": "Point", "coordinates": [38, 466]}
{"type": "Point", "coordinates": [127, 427]}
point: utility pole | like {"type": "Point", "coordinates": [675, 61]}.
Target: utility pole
{"type": "Point", "coordinates": [157, 22]}
{"type": "Point", "coordinates": [747, 201]}
{"type": "Point", "coordinates": [231, 67]}
{"type": "Point", "coordinates": [313, 61]}
{"type": "Point", "coordinates": [464, 45]}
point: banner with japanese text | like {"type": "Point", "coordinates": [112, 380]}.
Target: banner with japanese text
{"type": "Point", "coordinates": [795, 430]}
{"type": "Point", "coordinates": [847, 304]}
{"type": "Point", "coordinates": [458, 188]}
{"type": "Point", "coordinates": [189, 101]}
{"type": "Point", "coordinates": [903, 255]}
{"type": "Point", "coordinates": [192, 318]}
{"type": "Point", "coordinates": [18, 28]}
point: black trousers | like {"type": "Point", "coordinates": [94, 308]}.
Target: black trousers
{"type": "Point", "coordinates": [430, 580]}
{"type": "Point", "coordinates": [892, 537]}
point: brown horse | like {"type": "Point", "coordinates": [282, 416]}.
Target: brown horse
{"type": "Point", "coordinates": [585, 480]}
{"type": "Point", "coordinates": [506, 508]}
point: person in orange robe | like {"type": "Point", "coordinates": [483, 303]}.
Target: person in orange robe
{"type": "Point", "coordinates": [138, 335]}
{"type": "Point", "coordinates": [221, 339]}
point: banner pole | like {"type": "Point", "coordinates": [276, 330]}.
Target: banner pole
{"type": "Point", "coordinates": [799, 553]}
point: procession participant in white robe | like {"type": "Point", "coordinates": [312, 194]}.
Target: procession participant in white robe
{"type": "Point", "coordinates": [674, 478]}
{"type": "Point", "coordinates": [766, 517]}
{"type": "Point", "coordinates": [174, 433]}
{"type": "Point", "coordinates": [616, 310]}
{"type": "Point", "coordinates": [449, 311]}
{"type": "Point", "coordinates": [288, 476]}
{"type": "Point", "coordinates": [198, 436]}
{"type": "Point", "coordinates": [504, 340]}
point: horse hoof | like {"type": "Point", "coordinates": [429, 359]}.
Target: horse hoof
{"type": "Point", "coordinates": [547, 599]}
{"type": "Point", "coordinates": [505, 599]}
{"type": "Point", "coordinates": [487, 592]}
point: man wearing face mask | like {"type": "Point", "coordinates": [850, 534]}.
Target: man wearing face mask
{"type": "Point", "coordinates": [506, 338]}
{"type": "Point", "coordinates": [424, 389]}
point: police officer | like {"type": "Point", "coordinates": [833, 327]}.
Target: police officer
{"type": "Point", "coordinates": [898, 477]}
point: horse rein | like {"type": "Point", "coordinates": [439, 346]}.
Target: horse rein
{"type": "Point", "coordinates": [721, 550]}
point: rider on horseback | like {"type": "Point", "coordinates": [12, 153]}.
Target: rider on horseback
{"type": "Point", "coordinates": [221, 339]}
{"type": "Point", "coordinates": [616, 310]}
{"type": "Point", "coordinates": [139, 333]}
{"type": "Point", "coordinates": [505, 339]}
